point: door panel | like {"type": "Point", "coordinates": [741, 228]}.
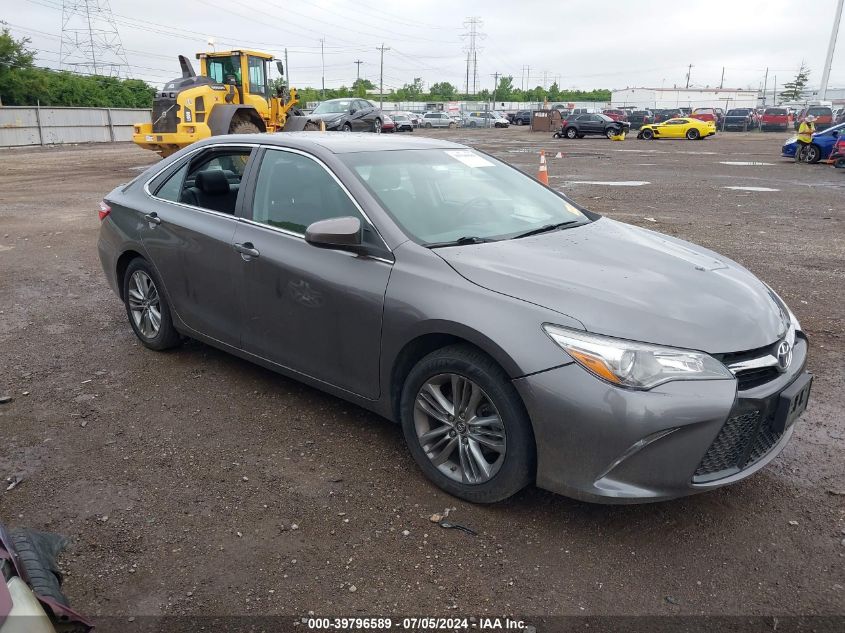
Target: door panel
{"type": "Point", "coordinates": [192, 252]}
{"type": "Point", "coordinates": [314, 310]}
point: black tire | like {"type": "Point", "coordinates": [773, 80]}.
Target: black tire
{"type": "Point", "coordinates": [346, 127]}
{"type": "Point", "coordinates": [814, 153]}
{"type": "Point", "coordinates": [839, 163]}
{"type": "Point", "coordinates": [37, 553]}
{"type": "Point", "coordinates": [377, 126]}
{"type": "Point", "coordinates": [518, 466]}
{"type": "Point", "coordinates": [647, 134]}
{"type": "Point", "coordinates": [428, 125]}
{"type": "Point", "coordinates": [473, 124]}
{"type": "Point", "coordinates": [693, 134]}
{"type": "Point", "coordinates": [570, 133]}
{"type": "Point", "coordinates": [167, 337]}
{"type": "Point", "coordinates": [518, 121]}
{"type": "Point", "coordinates": [610, 132]}
{"type": "Point", "coordinates": [452, 125]}
{"type": "Point", "coordinates": [243, 126]}
{"type": "Point", "coordinates": [556, 135]}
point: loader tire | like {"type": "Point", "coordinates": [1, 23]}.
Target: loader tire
{"type": "Point", "coordinates": [243, 126]}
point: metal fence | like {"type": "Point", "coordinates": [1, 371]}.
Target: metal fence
{"type": "Point", "coordinates": [32, 125]}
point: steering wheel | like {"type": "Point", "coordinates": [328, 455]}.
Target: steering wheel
{"type": "Point", "coordinates": [479, 203]}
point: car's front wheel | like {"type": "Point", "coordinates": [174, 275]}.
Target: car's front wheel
{"type": "Point", "coordinates": [377, 126]}
{"type": "Point", "coordinates": [571, 133]}
{"type": "Point", "coordinates": [346, 127]}
{"type": "Point", "coordinates": [610, 132]}
{"type": "Point", "coordinates": [147, 307]}
{"type": "Point", "coordinates": [647, 134]}
{"type": "Point", "coordinates": [466, 426]}
{"type": "Point", "coordinates": [813, 154]}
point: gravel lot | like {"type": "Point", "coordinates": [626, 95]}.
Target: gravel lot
{"type": "Point", "coordinates": [192, 482]}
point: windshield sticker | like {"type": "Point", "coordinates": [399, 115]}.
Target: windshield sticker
{"type": "Point", "coordinates": [469, 158]}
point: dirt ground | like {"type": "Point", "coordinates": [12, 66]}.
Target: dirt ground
{"type": "Point", "coordinates": [192, 482]}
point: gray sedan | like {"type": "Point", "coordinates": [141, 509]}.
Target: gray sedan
{"type": "Point", "coordinates": [516, 337]}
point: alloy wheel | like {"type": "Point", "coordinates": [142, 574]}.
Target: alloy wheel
{"type": "Point", "coordinates": [459, 429]}
{"type": "Point", "coordinates": [144, 304]}
{"type": "Point", "coordinates": [377, 126]}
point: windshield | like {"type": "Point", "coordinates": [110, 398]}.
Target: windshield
{"type": "Point", "coordinates": [819, 111]}
{"type": "Point", "coordinates": [442, 195]}
{"type": "Point", "coordinates": [775, 111]}
{"type": "Point", "coordinates": [738, 112]}
{"type": "Point", "coordinates": [333, 107]}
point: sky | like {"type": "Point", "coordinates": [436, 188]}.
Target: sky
{"type": "Point", "coordinates": [578, 43]}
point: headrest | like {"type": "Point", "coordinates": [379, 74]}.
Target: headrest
{"type": "Point", "coordinates": [212, 182]}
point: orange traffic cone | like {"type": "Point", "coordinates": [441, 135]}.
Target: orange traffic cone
{"type": "Point", "coordinates": [543, 174]}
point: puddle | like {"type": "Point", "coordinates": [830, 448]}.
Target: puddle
{"type": "Point", "coordinates": [750, 163]}
{"type": "Point", "coordinates": [611, 183]}
{"type": "Point", "coordinates": [751, 188]}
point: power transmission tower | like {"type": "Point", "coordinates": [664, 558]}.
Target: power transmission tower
{"type": "Point", "coordinates": [828, 62]}
{"type": "Point", "coordinates": [90, 43]}
{"type": "Point", "coordinates": [472, 35]}
{"type": "Point", "coordinates": [381, 48]}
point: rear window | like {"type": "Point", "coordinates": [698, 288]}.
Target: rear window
{"type": "Point", "coordinates": [776, 111]}
{"type": "Point", "coordinates": [820, 111]}
{"type": "Point", "coordinates": [740, 112]}
{"type": "Point", "coordinates": [640, 112]}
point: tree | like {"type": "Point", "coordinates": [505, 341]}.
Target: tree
{"type": "Point", "coordinates": [792, 89]}
{"type": "Point", "coordinates": [504, 91]}
{"type": "Point", "coordinates": [360, 87]}
{"type": "Point", "coordinates": [14, 53]}
{"type": "Point", "coordinates": [442, 91]}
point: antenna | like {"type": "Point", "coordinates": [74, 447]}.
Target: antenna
{"type": "Point", "coordinates": [90, 43]}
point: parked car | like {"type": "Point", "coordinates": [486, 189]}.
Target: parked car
{"type": "Point", "coordinates": [689, 128]}
{"type": "Point", "coordinates": [485, 119]}
{"type": "Point", "coordinates": [823, 114]}
{"type": "Point", "coordinates": [521, 117]}
{"type": "Point", "coordinates": [776, 119]}
{"type": "Point", "coordinates": [403, 123]}
{"type": "Point", "coordinates": [743, 119]}
{"type": "Point", "coordinates": [388, 125]}
{"type": "Point", "coordinates": [31, 598]}
{"type": "Point", "coordinates": [616, 115]}
{"type": "Point", "coordinates": [839, 116]}
{"type": "Point", "coordinates": [709, 114]}
{"type": "Point", "coordinates": [579, 126]}
{"type": "Point", "coordinates": [638, 118]}
{"type": "Point", "coordinates": [659, 116]}
{"type": "Point", "coordinates": [349, 115]}
{"type": "Point", "coordinates": [514, 336]}
{"type": "Point", "coordinates": [585, 111]}
{"type": "Point", "coordinates": [821, 146]}
{"type": "Point", "coordinates": [437, 119]}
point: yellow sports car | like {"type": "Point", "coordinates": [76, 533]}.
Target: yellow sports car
{"type": "Point", "coordinates": [678, 128]}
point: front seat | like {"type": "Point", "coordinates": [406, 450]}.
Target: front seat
{"type": "Point", "coordinates": [212, 190]}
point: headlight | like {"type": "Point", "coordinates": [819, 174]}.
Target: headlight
{"type": "Point", "coordinates": [635, 365]}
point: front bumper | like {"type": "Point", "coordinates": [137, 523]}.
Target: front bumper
{"type": "Point", "coordinates": [600, 443]}
{"type": "Point", "coordinates": [169, 142]}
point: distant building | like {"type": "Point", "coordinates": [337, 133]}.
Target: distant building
{"type": "Point", "coordinates": [659, 98]}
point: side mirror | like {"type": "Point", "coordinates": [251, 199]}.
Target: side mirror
{"type": "Point", "coordinates": [337, 233]}
{"type": "Point", "coordinates": [352, 110]}
{"type": "Point", "coordinates": [280, 67]}
{"type": "Point", "coordinates": [835, 133]}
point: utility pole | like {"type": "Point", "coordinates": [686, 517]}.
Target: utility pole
{"type": "Point", "coordinates": [358, 62]}
{"type": "Point", "coordinates": [381, 48]}
{"type": "Point", "coordinates": [689, 72]}
{"type": "Point", "coordinates": [495, 85]}
{"type": "Point", "coordinates": [775, 92]}
{"type": "Point", "coordinates": [722, 80]}
{"type": "Point", "coordinates": [766, 87]}
{"type": "Point", "coordinates": [287, 69]}
{"type": "Point", "coordinates": [829, 60]}
{"type": "Point", "coordinates": [323, 64]}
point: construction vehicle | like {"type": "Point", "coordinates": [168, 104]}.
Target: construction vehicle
{"type": "Point", "coordinates": [231, 95]}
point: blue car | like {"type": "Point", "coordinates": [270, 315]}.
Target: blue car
{"type": "Point", "coordinates": [821, 146]}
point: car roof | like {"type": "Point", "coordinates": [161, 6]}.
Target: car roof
{"type": "Point", "coordinates": [338, 142]}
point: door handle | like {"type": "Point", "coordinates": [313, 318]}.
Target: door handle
{"type": "Point", "coordinates": [153, 218]}
{"type": "Point", "coordinates": [247, 250]}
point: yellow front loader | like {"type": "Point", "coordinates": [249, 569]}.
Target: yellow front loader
{"type": "Point", "coordinates": [231, 95]}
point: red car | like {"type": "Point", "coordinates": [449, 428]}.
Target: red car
{"type": "Point", "coordinates": [709, 114]}
{"type": "Point", "coordinates": [823, 114]}
{"type": "Point", "coordinates": [616, 115]}
{"type": "Point", "coordinates": [776, 119]}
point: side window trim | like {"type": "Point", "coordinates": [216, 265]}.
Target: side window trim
{"type": "Point", "coordinates": [246, 200]}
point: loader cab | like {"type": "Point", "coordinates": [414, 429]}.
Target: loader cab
{"type": "Point", "coordinates": [246, 71]}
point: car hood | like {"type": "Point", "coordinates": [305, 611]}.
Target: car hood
{"type": "Point", "coordinates": [631, 283]}
{"type": "Point", "coordinates": [327, 117]}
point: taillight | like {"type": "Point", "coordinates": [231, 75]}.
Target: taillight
{"type": "Point", "coordinates": [104, 210]}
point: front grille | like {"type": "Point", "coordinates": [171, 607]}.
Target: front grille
{"type": "Point", "coordinates": [743, 440]}
{"type": "Point", "coordinates": [165, 111]}
{"type": "Point", "coordinates": [750, 378]}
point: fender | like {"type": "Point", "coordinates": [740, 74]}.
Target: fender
{"type": "Point", "coordinates": [222, 115]}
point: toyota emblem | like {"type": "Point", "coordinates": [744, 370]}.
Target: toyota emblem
{"type": "Point", "coordinates": [784, 355]}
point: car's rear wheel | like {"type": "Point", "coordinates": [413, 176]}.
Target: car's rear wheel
{"type": "Point", "coordinates": [570, 133]}
{"type": "Point", "coordinates": [147, 307]}
{"type": "Point", "coordinates": [466, 426]}
{"type": "Point", "coordinates": [813, 154]}
{"type": "Point", "coordinates": [693, 134]}
{"type": "Point", "coordinates": [647, 134]}
{"type": "Point", "coordinates": [377, 126]}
